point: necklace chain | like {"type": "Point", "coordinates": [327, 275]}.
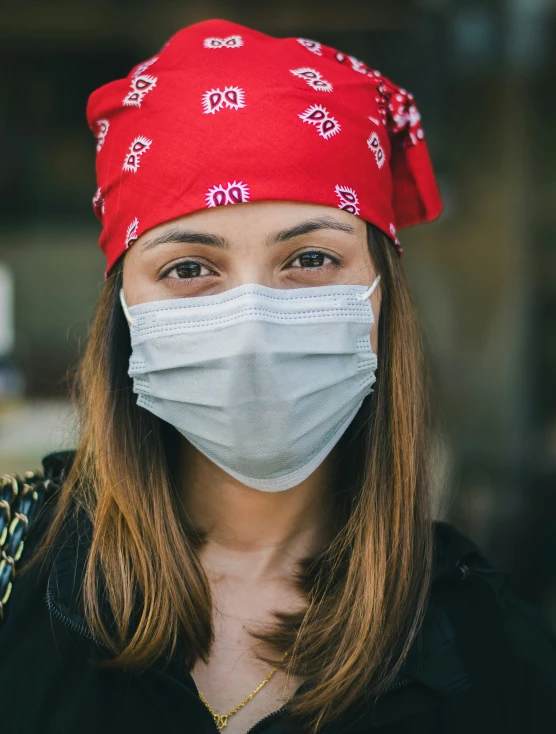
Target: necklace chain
{"type": "Point", "coordinates": [222, 719]}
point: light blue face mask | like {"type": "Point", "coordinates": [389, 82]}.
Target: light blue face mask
{"type": "Point", "coordinates": [264, 381]}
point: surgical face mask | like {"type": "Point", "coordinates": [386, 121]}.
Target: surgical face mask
{"type": "Point", "coordinates": [263, 381]}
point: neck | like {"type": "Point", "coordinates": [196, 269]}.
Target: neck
{"type": "Point", "coordinates": [267, 532]}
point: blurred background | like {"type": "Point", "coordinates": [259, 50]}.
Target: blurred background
{"type": "Point", "coordinates": [484, 275]}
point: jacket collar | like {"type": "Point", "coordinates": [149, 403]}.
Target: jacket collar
{"type": "Point", "coordinates": [433, 659]}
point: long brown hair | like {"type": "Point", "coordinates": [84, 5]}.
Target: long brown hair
{"type": "Point", "coordinates": [367, 589]}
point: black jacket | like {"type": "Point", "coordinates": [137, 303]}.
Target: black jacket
{"type": "Point", "coordinates": [484, 661]}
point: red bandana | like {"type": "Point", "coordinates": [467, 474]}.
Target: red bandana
{"type": "Point", "coordinates": [224, 114]}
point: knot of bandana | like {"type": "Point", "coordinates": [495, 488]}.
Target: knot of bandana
{"type": "Point", "coordinates": [224, 114]}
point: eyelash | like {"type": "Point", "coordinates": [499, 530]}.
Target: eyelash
{"type": "Point", "coordinates": [335, 263]}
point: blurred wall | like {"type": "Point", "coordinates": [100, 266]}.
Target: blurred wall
{"type": "Point", "coordinates": [484, 275]}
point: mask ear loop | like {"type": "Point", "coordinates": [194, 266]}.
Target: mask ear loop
{"type": "Point", "coordinates": [125, 308]}
{"type": "Point", "coordinates": [362, 296]}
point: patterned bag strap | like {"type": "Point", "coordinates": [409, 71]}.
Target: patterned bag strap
{"type": "Point", "coordinates": [20, 501]}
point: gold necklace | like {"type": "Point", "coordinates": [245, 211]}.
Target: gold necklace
{"type": "Point", "coordinates": [222, 719]}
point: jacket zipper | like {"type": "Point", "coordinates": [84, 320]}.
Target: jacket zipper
{"type": "Point", "coordinates": [84, 631]}
{"type": "Point", "coordinates": [268, 716]}
{"type": "Point", "coordinates": [395, 686]}
{"type": "Point", "coordinates": [81, 629]}
{"type": "Point", "coordinates": [399, 684]}
{"type": "Point", "coordinates": [193, 695]}
{"type": "Point", "coordinates": [251, 729]}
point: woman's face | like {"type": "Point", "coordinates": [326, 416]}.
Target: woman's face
{"type": "Point", "coordinates": [275, 243]}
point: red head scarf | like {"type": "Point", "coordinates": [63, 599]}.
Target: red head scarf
{"type": "Point", "coordinates": [224, 114]}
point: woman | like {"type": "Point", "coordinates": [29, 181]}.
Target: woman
{"type": "Point", "coordinates": [243, 537]}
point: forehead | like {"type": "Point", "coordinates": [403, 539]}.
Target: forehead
{"type": "Point", "coordinates": [261, 218]}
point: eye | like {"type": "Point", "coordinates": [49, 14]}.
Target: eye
{"type": "Point", "coordinates": [187, 270]}
{"type": "Point", "coordinates": [312, 259]}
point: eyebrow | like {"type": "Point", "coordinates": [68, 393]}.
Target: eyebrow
{"type": "Point", "coordinates": [204, 238]}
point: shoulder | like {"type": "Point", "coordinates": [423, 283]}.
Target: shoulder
{"type": "Point", "coordinates": [505, 643]}
{"type": "Point", "coordinates": [532, 643]}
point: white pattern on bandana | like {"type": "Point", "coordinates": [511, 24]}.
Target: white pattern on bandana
{"type": "Point", "coordinates": [144, 66]}
{"type": "Point", "coordinates": [136, 150]}
{"type": "Point", "coordinates": [215, 99]}
{"type": "Point", "coordinates": [234, 193]}
{"type": "Point", "coordinates": [393, 233]}
{"type": "Point", "coordinates": [349, 200]}
{"type": "Point", "coordinates": [401, 117]}
{"type": "Point", "coordinates": [313, 78]}
{"type": "Point", "coordinates": [103, 126]}
{"type": "Point", "coordinates": [398, 112]}
{"type": "Point", "coordinates": [131, 234]}
{"type": "Point", "coordinates": [140, 86]}
{"type": "Point", "coordinates": [229, 42]}
{"type": "Point", "coordinates": [356, 64]}
{"type": "Point", "coordinates": [98, 203]}
{"type": "Point", "coordinates": [313, 46]}
{"type": "Point", "coordinates": [374, 144]}
{"type": "Point", "coordinates": [319, 116]}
